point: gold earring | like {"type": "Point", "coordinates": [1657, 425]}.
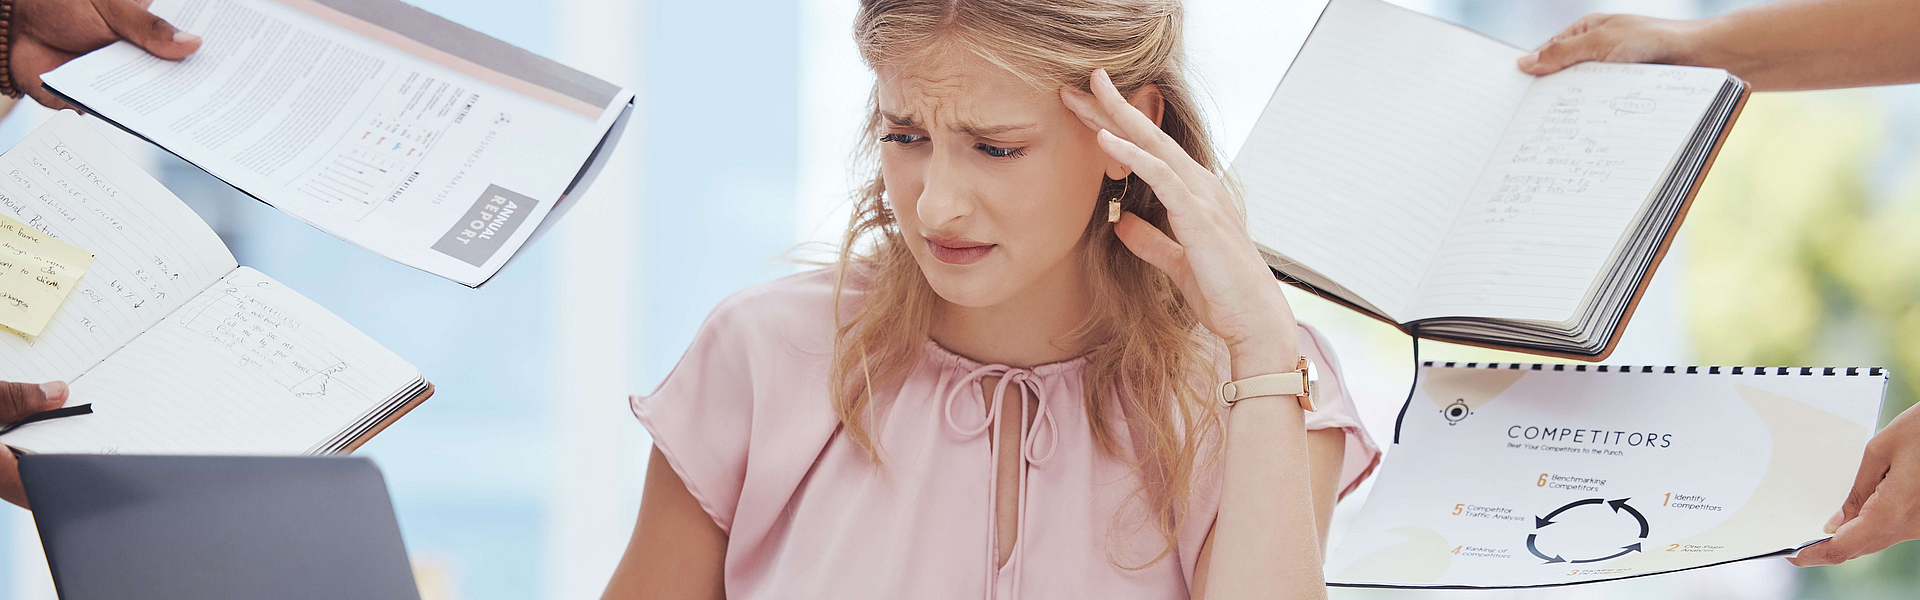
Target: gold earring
{"type": "Point", "coordinates": [1113, 205]}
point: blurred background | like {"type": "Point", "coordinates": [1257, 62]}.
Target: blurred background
{"type": "Point", "coordinates": [520, 478]}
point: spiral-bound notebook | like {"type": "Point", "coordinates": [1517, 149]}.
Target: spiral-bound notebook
{"type": "Point", "coordinates": [1407, 169]}
{"type": "Point", "coordinates": [1515, 475]}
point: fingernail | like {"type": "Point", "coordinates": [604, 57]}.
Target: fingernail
{"type": "Point", "coordinates": [1528, 60]}
{"type": "Point", "coordinates": [1101, 74]}
{"type": "Point", "coordinates": [56, 391]}
{"type": "Point", "coordinates": [182, 37]}
{"type": "Point", "coordinates": [1833, 523]}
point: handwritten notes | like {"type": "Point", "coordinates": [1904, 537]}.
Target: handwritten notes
{"type": "Point", "coordinates": [154, 253]}
{"type": "Point", "coordinates": [37, 273]}
{"type": "Point", "coordinates": [1575, 169]}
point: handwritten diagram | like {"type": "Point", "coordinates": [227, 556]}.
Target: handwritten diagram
{"type": "Point", "coordinates": [264, 339]}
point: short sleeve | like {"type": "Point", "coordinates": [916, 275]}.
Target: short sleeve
{"type": "Point", "coordinates": [701, 416]}
{"type": "Point", "coordinates": [1334, 409]}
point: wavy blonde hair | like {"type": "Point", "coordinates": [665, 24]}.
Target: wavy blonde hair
{"type": "Point", "coordinates": [1145, 350]}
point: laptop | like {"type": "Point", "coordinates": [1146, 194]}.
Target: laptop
{"type": "Point", "coordinates": [216, 527]}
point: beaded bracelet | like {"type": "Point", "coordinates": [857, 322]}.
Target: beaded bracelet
{"type": "Point", "coordinates": [6, 51]}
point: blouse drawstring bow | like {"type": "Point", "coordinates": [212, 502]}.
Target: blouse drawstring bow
{"type": "Point", "coordinates": [1031, 452]}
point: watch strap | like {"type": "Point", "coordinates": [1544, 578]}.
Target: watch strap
{"type": "Point", "coordinates": [1298, 383]}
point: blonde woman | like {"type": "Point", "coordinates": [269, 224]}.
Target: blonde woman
{"type": "Point", "coordinates": [999, 391]}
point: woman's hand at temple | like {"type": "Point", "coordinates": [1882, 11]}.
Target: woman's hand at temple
{"type": "Point", "coordinates": [1266, 528]}
{"type": "Point", "coordinates": [17, 401]}
{"type": "Point", "coordinates": [1884, 507]}
{"type": "Point", "coordinates": [1214, 263]}
{"type": "Point", "coordinates": [45, 34]}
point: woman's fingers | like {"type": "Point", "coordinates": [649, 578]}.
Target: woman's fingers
{"type": "Point", "coordinates": [1153, 246]}
{"type": "Point", "coordinates": [1083, 106]}
{"type": "Point", "coordinates": [1167, 185]}
{"type": "Point", "coordinates": [1874, 466]}
{"type": "Point", "coordinates": [1135, 127]}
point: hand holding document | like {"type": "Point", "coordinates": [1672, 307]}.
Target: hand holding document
{"type": "Point", "coordinates": [1509, 475]}
{"type": "Point", "coordinates": [37, 273]}
{"type": "Point", "coordinates": [379, 123]}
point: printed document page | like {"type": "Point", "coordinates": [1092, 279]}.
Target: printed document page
{"type": "Point", "coordinates": [1507, 477]}
{"type": "Point", "coordinates": [376, 122]}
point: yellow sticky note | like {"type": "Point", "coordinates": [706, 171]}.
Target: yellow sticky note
{"type": "Point", "coordinates": [37, 273]}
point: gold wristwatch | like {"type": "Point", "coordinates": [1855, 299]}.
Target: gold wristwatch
{"type": "Point", "coordinates": [1297, 383]}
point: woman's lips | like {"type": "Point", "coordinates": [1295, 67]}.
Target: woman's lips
{"type": "Point", "coordinates": [958, 251]}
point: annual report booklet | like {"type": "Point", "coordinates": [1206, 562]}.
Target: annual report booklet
{"type": "Point", "coordinates": [1406, 168]}
{"type": "Point", "coordinates": [1513, 475]}
{"type": "Point", "coordinates": [377, 122]}
{"type": "Point", "coordinates": [178, 349]}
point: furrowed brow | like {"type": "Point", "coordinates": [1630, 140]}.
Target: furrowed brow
{"type": "Point", "coordinates": [900, 121]}
{"type": "Point", "coordinates": [993, 130]}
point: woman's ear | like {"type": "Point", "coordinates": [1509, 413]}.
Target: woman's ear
{"type": "Point", "coordinates": [1149, 102]}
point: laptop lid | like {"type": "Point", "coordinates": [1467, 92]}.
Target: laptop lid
{"type": "Point", "coordinates": [216, 527]}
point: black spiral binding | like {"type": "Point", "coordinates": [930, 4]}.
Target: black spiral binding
{"type": "Point", "coordinates": [1644, 369]}
{"type": "Point", "coordinates": [1714, 370]}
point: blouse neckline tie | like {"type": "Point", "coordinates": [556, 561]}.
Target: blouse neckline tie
{"type": "Point", "coordinates": [1032, 451]}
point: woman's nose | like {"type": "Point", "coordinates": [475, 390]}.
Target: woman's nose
{"type": "Point", "coordinates": [946, 197]}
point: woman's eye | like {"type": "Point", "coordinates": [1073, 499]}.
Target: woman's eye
{"type": "Point", "coordinates": [998, 152]}
{"type": "Point", "coordinates": [901, 138]}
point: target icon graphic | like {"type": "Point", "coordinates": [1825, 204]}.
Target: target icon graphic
{"type": "Point", "coordinates": [1456, 412]}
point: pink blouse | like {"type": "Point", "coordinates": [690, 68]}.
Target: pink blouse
{"type": "Point", "coordinates": [744, 420]}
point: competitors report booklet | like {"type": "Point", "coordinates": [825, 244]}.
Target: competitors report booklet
{"type": "Point", "coordinates": [1511, 475]}
{"type": "Point", "coordinates": [377, 122]}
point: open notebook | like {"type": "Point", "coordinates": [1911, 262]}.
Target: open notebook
{"type": "Point", "coordinates": [1406, 168]}
{"type": "Point", "coordinates": [382, 124]}
{"type": "Point", "coordinates": [178, 348]}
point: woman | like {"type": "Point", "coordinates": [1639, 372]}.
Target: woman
{"type": "Point", "coordinates": [997, 391]}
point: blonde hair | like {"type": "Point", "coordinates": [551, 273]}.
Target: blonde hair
{"type": "Point", "coordinates": [1145, 349]}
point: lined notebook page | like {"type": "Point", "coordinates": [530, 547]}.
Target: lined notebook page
{"type": "Point", "coordinates": [1583, 157]}
{"type": "Point", "coordinates": [151, 253]}
{"type": "Point", "coordinates": [1371, 143]}
{"type": "Point", "coordinates": [249, 367]}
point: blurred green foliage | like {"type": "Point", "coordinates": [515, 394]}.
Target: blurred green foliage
{"type": "Point", "coordinates": [1794, 257]}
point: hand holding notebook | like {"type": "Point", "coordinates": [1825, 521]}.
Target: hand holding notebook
{"type": "Point", "coordinates": [1406, 168]}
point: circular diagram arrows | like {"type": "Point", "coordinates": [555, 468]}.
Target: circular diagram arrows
{"type": "Point", "coordinates": [1617, 505]}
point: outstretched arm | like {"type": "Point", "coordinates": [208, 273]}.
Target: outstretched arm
{"type": "Point", "coordinates": [1783, 45]}
{"type": "Point", "coordinates": [677, 552]}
